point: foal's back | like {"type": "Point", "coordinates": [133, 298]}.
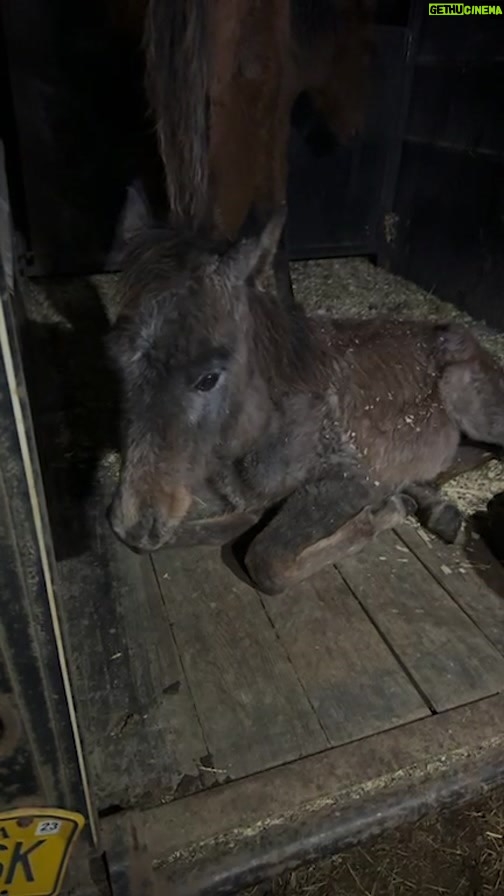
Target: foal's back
{"type": "Point", "coordinates": [385, 381]}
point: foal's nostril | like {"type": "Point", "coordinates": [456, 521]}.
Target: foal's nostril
{"type": "Point", "coordinates": [121, 526]}
{"type": "Point", "coordinates": [154, 536]}
{"type": "Point", "coordinates": [141, 530]}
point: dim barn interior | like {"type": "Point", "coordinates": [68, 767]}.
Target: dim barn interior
{"type": "Point", "coordinates": [229, 733]}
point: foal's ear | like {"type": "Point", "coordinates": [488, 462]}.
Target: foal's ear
{"type": "Point", "coordinates": [253, 255]}
{"type": "Point", "coordinates": [135, 217]}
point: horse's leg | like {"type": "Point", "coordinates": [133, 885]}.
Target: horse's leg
{"type": "Point", "coordinates": [320, 524]}
{"type": "Point", "coordinates": [468, 458]}
{"type": "Point", "coordinates": [436, 513]}
{"type": "Point", "coordinates": [472, 388]}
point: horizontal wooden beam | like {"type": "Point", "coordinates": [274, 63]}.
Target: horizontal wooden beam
{"type": "Point", "coordinates": [220, 840]}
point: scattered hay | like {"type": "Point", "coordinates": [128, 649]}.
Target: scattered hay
{"type": "Point", "coordinates": [472, 491]}
{"type": "Point", "coordinates": [353, 287]}
{"type": "Point", "coordinates": [460, 851]}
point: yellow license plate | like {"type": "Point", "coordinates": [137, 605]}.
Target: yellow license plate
{"type": "Point", "coordinates": [35, 846]}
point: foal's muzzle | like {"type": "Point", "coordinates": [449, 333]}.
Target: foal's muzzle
{"type": "Point", "coordinates": [143, 525]}
{"type": "Point", "coordinates": [142, 536]}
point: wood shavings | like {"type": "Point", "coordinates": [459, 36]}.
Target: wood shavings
{"type": "Point", "coordinates": [111, 461]}
{"type": "Point", "coordinates": [472, 491]}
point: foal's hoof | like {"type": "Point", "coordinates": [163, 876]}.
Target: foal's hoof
{"type": "Point", "coordinates": [393, 511]}
{"type": "Point", "coordinates": [266, 575]}
{"type": "Point", "coordinates": [408, 505]}
{"type": "Point", "coordinates": [447, 522]}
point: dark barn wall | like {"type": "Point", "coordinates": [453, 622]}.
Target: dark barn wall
{"type": "Point", "coordinates": [336, 195]}
{"type": "Point", "coordinates": [79, 136]}
{"type": "Point", "coordinates": [78, 133]}
{"type": "Point", "coordinates": [447, 233]}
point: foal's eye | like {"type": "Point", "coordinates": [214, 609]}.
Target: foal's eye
{"type": "Point", "coordinates": [207, 382]}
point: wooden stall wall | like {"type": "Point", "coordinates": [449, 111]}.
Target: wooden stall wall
{"type": "Point", "coordinates": [79, 142]}
{"type": "Point", "coordinates": [446, 231]}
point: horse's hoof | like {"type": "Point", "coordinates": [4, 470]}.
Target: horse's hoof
{"type": "Point", "coordinates": [447, 523]}
{"type": "Point", "coordinates": [266, 575]}
{"type": "Point", "coordinates": [409, 506]}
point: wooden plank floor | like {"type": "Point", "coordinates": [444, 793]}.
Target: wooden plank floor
{"type": "Point", "coordinates": [225, 732]}
{"type": "Point", "coordinates": [404, 629]}
{"type": "Point", "coordinates": [194, 679]}
{"type": "Point", "coordinates": [227, 838]}
{"type": "Point", "coordinates": [367, 695]}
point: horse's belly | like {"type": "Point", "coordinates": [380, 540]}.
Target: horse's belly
{"type": "Point", "coordinates": [416, 450]}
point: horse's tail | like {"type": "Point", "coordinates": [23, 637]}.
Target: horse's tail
{"type": "Point", "coordinates": [177, 81]}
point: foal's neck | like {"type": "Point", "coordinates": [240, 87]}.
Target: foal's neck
{"type": "Point", "coordinates": [285, 348]}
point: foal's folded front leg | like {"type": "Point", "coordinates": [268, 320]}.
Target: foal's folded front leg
{"type": "Point", "coordinates": [318, 524]}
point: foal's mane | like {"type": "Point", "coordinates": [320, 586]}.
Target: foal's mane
{"type": "Point", "coordinates": [149, 257]}
{"type": "Point", "coordinates": [283, 339]}
{"type": "Point", "coordinates": [161, 245]}
{"type": "Point", "coordinates": [287, 344]}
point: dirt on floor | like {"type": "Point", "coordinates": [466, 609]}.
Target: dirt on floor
{"type": "Point", "coordinates": [457, 852]}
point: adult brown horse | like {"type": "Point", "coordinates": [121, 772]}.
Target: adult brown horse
{"type": "Point", "coordinates": [236, 404]}
{"type": "Point", "coordinates": [222, 78]}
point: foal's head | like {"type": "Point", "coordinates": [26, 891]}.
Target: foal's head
{"type": "Point", "coordinates": [182, 347]}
